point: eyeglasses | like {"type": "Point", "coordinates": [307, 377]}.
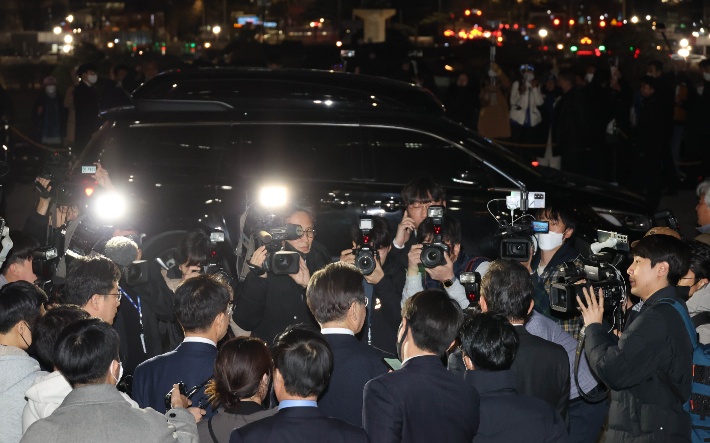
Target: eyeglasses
{"type": "Point", "coordinates": [310, 233]}
{"type": "Point", "coordinates": [421, 204]}
{"type": "Point", "coordinates": [230, 309]}
{"type": "Point", "coordinates": [367, 302]}
{"type": "Point", "coordinates": [118, 296]}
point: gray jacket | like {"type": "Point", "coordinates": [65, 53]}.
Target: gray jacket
{"type": "Point", "coordinates": [17, 373]}
{"type": "Point", "coordinates": [225, 422]}
{"type": "Point", "coordinates": [99, 413]}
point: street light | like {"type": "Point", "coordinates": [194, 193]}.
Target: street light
{"type": "Point", "coordinates": [66, 48]}
{"type": "Point", "coordinates": [648, 17]}
{"type": "Point", "coordinates": [543, 33]}
{"type": "Point", "coordinates": [216, 30]}
{"type": "Point", "coordinates": [634, 19]}
{"type": "Point", "coordinates": [70, 18]}
{"type": "Point", "coordinates": [68, 39]}
{"type": "Point", "coordinates": [57, 30]}
{"type": "Point", "coordinates": [683, 52]}
{"type": "Point", "coordinates": [684, 43]}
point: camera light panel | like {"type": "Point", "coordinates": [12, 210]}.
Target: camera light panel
{"type": "Point", "coordinates": [273, 196]}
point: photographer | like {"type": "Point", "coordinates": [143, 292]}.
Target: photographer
{"type": "Point", "coordinates": [697, 282]}
{"type": "Point", "coordinates": [266, 304]}
{"type": "Point", "coordinates": [381, 288]}
{"type": "Point", "coordinates": [650, 367]}
{"type": "Point", "coordinates": [18, 264]}
{"type": "Point", "coordinates": [441, 277]}
{"type": "Point", "coordinates": [545, 266]}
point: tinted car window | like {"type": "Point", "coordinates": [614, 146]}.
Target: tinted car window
{"type": "Point", "coordinates": [307, 152]}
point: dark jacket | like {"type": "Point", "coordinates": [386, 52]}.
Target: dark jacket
{"type": "Point", "coordinates": [218, 429]}
{"type": "Point", "coordinates": [652, 127]}
{"type": "Point", "coordinates": [191, 363]}
{"type": "Point", "coordinates": [299, 425]}
{"type": "Point", "coordinates": [541, 370]}
{"type": "Point", "coordinates": [643, 408]}
{"type": "Point", "coordinates": [421, 402]}
{"type": "Point", "coordinates": [53, 114]}
{"type": "Point", "coordinates": [354, 364]}
{"type": "Point", "coordinates": [570, 126]}
{"type": "Point", "coordinates": [267, 306]}
{"type": "Point", "coordinates": [86, 105]}
{"type": "Point", "coordinates": [37, 226]}
{"type": "Point", "coordinates": [509, 417]}
{"type": "Point", "coordinates": [552, 272]}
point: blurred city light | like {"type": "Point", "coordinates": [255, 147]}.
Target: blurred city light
{"type": "Point", "coordinates": [57, 30]}
{"type": "Point", "coordinates": [208, 44]}
{"type": "Point", "coordinates": [684, 43]}
{"type": "Point", "coordinates": [68, 39]}
{"type": "Point", "coordinates": [216, 29]}
{"type": "Point", "coordinates": [683, 52]}
{"type": "Point", "coordinates": [66, 48]}
{"type": "Point", "coordinates": [634, 19]}
{"type": "Point", "coordinates": [70, 18]}
{"type": "Point", "coordinates": [543, 33]}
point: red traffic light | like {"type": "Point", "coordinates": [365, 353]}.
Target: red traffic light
{"type": "Point", "coordinates": [556, 22]}
{"type": "Point", "coordinates": [479, 12]}
{"type": "Point", "coordinates": [467, 12]}
{"type": "Point", "coordinates": [602, 24]}
{"type": "Point", "coordinates": [571, 22]}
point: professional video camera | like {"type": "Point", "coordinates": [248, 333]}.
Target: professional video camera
{"type": "Point", "coordinates": [278, 261]}
{"type": "Point", "coordinates": [434, 253]}
{"type": "Point", "coordinates": [55, 169]}
{"type": "Point", "coordinates": [44, 263]}
{"type": "Point", "coordinates": [365, 252]}
{"type": "Point", "coordinates": [517, 238]}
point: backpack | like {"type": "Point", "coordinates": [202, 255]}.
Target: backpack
{"type": "Point", "coordinates": [698, 405]}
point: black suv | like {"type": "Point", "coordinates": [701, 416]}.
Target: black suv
{"type": "Point", "coordinates": [198, 144]}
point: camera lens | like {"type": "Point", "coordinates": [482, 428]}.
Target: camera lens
{"type": "Point", "coordinates": [282, 262]}
{"type": "Point", "coordinates": [365, 261]}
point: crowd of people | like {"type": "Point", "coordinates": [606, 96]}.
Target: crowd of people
{"type": "Point", "coordinates": [406, 353]}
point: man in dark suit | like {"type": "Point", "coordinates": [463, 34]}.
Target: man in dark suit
{"type": "Point", "coordinates": [541, 367]}
{"type": "Point", "coordinates": [86, 105]}
{"type": "Point", "coordinates": [203, 309]}
{"type": "Point", "coordinates": [489, 343]}
{"type": "Point", "coordinates": [422, 401]}
{"type": "Point", "coordinates": [303, 362]}
{"type": "Point", "coordinates": [337, 300]}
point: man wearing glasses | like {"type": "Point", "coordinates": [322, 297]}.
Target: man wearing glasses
{"type": "Point", "coordinates": [266, 304]}
{"type": "Point", "coordinates": [92, 284]}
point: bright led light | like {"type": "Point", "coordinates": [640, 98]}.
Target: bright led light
{"type": "Point", "coordinates": [648, 17]}
{"type": "Point", "coordinates": [338, 44]}
{"type": "Point", "coordinates": [543, 33]}
{"type": "Point", "coordinates": [68, 39]}
{"type": "Point", "coordinates": [216, 29]}
{"type": "Point", "coordinates": [696, 34]}
{"type": "Point", "coordinates": [57, 30]}
{"type": "Point", "coordinates": [683, 52]}
{"type": "Point", "coordinates": [66, 48]}
{"type": "Point", "coordinates": [208, 44]}
{"type": "Point", "coordinates": [109, 44]}
{"type": "Point", "coordinates": [684, 43]}
{"type": "Point", "coordinates": [110, 205]}
{"type": "Point", "coordinates": [634, 19]}
{"type": "Point", "coordinates": [274, 196]}
{"type": "Point", "coordinates": [560, 46]}
{"type": "Point", "coordinates": [70, 18]}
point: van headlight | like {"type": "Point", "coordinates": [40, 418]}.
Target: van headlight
{"type": "Point", "coordinates": [630, 220]}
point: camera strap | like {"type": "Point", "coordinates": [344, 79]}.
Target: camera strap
{"type": "Point", "coordinates": [578, 355]}
{"type": "Point", "coordinates": [140, 313]}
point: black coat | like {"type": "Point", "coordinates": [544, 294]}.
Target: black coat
{"type": "Point", "coordinates": [541, 370]}
{"type": "Point", "coordinates": [354, 364]}
{"type": "Point", "coordinates": [643, 408]}
{"type": "Point", "coordinates": [86, 106]}
{"type": "Point", "coordinates": [37, 118]}
{"type": "Point", "coordinates": [421, 402]}
{"type": "Point", "coordinates": [570, 124]}
{"type": "Point", "coordinates": [509, 417]}
{"type": "Point", "coordinates": [267, 306]}
{"type": "Point", "coordinates": [299, 425]}
{"type": "Point", "coordinates": [652, 127]}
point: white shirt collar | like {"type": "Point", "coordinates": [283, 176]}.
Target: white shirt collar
{"type": "Point", "coordinates": [337, 331]}
{"type": "Point", "coordinates": [415, 356]}
{"type": "Point", "coordinates": [199, 340]}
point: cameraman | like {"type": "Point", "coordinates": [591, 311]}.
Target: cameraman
{"type": "Point", "coordinates": [381, 288]}
{"type": "Point", "coordinates": [445, 276]}
{"type": "Point", "coordinates": [18, 264]}
{"type": "Point", "coordinates": [266, 304]}
{"type": "Point", "coordinates": [545, 267]}
{"type": "Point", "coordinates": [650, 367]}
{"type": "Point", "coordinates": [39, 223]}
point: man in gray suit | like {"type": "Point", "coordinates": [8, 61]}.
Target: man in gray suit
{"type": "Point", "coordinates": [86, 353]}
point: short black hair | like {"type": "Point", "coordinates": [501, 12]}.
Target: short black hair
{"type": "Point", "coordinates": [507, 289]}
{"type": "Point", "coordinates": [193, 249]}
{"type": "Point", "coordinates": [22, 247]}
{"type": "Point", "coordinates": [423, 189]}
{"type": "Point", "coordinates": [20, 301]}
{"type": "Point", "coordinates": [289, 210]}
{"type": "Point", "coordinates": [121, 67]}
{"type": "Point", "coordinates": [450, 232]}
{"type": "Point", "coordinates": [490, 341]}
{"type": "Point", "coordinates": [49, 326]}
{"type": "Point", "coordinates": [704, 63]}
{"type": "Point", "coordinates": [567, 75]}
{"type": "Point", "coordinates": [305, 360]}
{"type": "Point", "coordinates": [656, 64]}
{"type": "Point", "coordinates": [650, 81]}
{"type": "Point", "coordinates": [333, 289]}
{"type": "Point", "coordinates": [559, 213]}
{"type": "Point", "coordinates": [85, 68]}
{"type": "Point", "coordinates": [199, 300]}
{"type": "Point", "coordinates": [84, 351]}
{"type": "Point", "coordinates": [381, 234]}
{"type": "Point", "coordinates": [434, 320]}
{"type": "Point", "coordinates": [664, 248]}
{"type": "Point", "coordinates": [700, 259]}
{"type": "Point", "coordinates": [88, 276]}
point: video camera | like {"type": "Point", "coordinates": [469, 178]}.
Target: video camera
{"type": "Point", "coordinates": [44, 263]}
{"type": "Point", "coordinates": [55, 169]}
{"type": "Point", "coordinates": [278, 261]}
{"type": "Point", "coordinates": [516, 238]}
{"type": "Point", "coordinates": [365, 253]}
{"type": "Point", "coordinates": [434, 253]}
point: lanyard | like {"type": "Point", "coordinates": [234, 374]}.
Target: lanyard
{"type": "Point", "coordinates": [140, 313]}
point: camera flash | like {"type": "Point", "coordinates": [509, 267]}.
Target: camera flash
{"type": "Point", "coordinates": [274, 196]}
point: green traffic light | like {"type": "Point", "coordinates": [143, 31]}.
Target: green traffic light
{"type": "Point", "coordinates": [192, 45]}
{"type": "Point", "coordinates": [573, 48]}
{"type": "Point", "coordinates": [602, 48]}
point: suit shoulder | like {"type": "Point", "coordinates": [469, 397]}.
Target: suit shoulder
{"type": "Point", "coordinates": [345, 427]}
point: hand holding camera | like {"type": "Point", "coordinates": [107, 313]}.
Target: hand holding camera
{"type": "Point", "coordinates": [443, 272]}
{"type": "Point", "coordinates": [179, 400]}
{"type": "Point", "coordinates": [414, 259]}
{"type": "Point", "coordinates": [376, 275]}
{"type": "Point", "coordinates": [258, 257]}
{"type": "Point", "coordinates": [593, 310]}
{"type": "Point", "coordinates": [303, 275]}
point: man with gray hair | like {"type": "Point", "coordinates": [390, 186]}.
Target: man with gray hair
{"type": "Point", "coordinates": [703, 210]}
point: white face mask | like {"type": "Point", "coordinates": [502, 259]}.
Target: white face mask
{"type": "Point", "coordinates": [589, 77]}
{"type": "Point", "coordinates": [92, 78]}
{"type": "Point", "coordinates": [51, 89]}
{"type": "Point", "coordinates": [120, 372]}
{"type": "Point", "coordinates": [706, 76]}
{"type": "Point", "coordinates": [529, 76]}
{"type": "Point", "coordinates": [492, 73]}
{"type": "Point", "coordinates": [700, 90]}
{"type": "Point", "coordinates": [550, 240]}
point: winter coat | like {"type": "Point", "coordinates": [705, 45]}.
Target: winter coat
{"type": "Point", "coordinates": [520, 103]}
{"type": "Point", "coordinates": [570, 125]}
{"type": "Point", "coordinates": [45, 395]}
{"type": "Point", "coordinates": [643, 408]}
{"type": "Point", "coordinates": [17, 372]}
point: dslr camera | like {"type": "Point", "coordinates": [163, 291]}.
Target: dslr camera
{"type": "Point", "coordinates": [434, 253]}
{"type": "Point", "coordinates": [44, 263]}
{"type": "Point", "coordinates": [277, 261]}
{"type": "Point", "coordinates": [365, 253]}
{"type": "Point", "coordinates": [516, 238]}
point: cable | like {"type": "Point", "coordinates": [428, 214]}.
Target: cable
{"type": "Point", "coordinates": [490, 212]}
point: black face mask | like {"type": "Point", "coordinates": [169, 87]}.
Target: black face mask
{"type": "Point", "coordinates": [683, 292]}
{"type": "Point", "coordinates": [399, 343]}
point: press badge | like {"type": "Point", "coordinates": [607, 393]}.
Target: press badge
{"type": "Point", "coordinates": [88, 169]}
